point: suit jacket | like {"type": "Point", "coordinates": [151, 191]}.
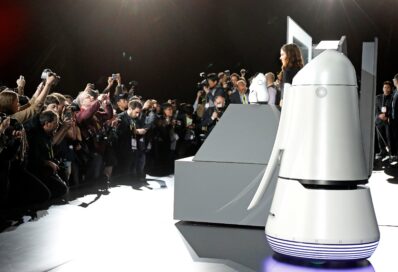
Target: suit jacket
{"type": "Point", "coordinates": [235, 98]}
{"type": "Point", "coordinates": [125, 132]}
{"type": "Point", "coordinates": [207, 121]}
{"type": "Point", "coordinates": [383, 101]}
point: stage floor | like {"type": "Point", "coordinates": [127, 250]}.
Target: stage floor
{"type": "Point", "coordinates": [130, 227]}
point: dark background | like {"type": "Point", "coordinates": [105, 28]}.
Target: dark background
{"type": "Point", "coordinates": [165, 44]}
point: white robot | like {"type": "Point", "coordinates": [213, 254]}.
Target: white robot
{"type": "Point", "coordinates": [321, 210]}
{"type": "Point", "coordinates": [258, 92]}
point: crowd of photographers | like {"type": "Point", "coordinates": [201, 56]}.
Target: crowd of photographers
{"type": "Point", "coordinates": [52, 141]}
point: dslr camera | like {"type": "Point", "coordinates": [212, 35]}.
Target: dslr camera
{"type": "Point", "coordinates": [203, 82]}
{"type": "Point", "coordinates": [7, 139]}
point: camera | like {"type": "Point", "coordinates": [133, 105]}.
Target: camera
{"type": "Point", "coordinates": [203, 75]}
{"type": "Point", "coordinates": [74, 107]}
{"type": "Point", "coordinates": [68, 114]}
{"type": "Point", "coordinates": [114, 76]}
{"type": "Point", "coordinates": [202, 84]}
{"type": "Point", "coordinates": [3, 116]}
{"type": "Point", "coordinates": [46, 73]}
{"type": "Point", "coordinates": [15, 125]}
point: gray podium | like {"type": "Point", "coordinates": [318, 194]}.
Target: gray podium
{"type": "Point", "coordinates": [218, 183]}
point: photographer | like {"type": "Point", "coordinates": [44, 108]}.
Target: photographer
{"type": "Point", "coordinates": [10, 142]}
{"type": "Point", "coordinates": [22, 182]}
{"type": "Point", "coordinates": [131, 144]}
{"type": "Point", "coordinates": [41, 160]}
{"type": "Point", "coordinates": [10, 103]}
{"type": "Point", "coordinates": [241, 96]}
{"type": "Point", "coordinates": [226, 82]}
{"type": "Point", "coordinates": [93, 114]}
{"type": "Point", "coordinates": [76, 152]}
{"type": "Point", "coordinates": [63, 149]}
{"type": "Point", "coordinates": [121, 102]}
{"type": "Point", "coordinates": [213, 114]}
{"type": "Point", "coordinates": [186, 131]}
{"type": "Point", "coordinates": [200, 104]}
{"type": "Point", "coordinates": [383, 110]}
{"type": "Point", "coordinates": [165, 141]}
{"type": "Point", "coordinates": [234, 82]}
{"type": "Point", "coordinates": [214, 90]}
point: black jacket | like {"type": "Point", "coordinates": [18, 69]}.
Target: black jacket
{"type": "Point", "coordinates": [125, 133]}
{"type": "Point", "coordinates": [235, 98]}
{"type": "Point", "coordinates": [383, 101]}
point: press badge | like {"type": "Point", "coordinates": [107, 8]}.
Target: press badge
{"type": "Point", "coordinates": [383, 109]}
{"type": "Point", "coordinates": [133, 144]}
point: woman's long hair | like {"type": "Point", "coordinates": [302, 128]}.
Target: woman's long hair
{"type": "Point", "coordinates": [7, 98]}
{"type": "Point", "coordinates": [293, 55]}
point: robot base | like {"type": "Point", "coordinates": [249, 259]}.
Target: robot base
{"type": "Point", "coordinates": [322, 224]}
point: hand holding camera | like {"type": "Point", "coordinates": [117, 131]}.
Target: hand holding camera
{"type": "Point", "coordinates": [67, 120]}
{"type": "Point", "coordinates": [21, 82]}
{"type": "Point", "coordinates": [383, 117]}
{"type": "Point", "coordinates": [103, 97]}
{"type": "Point", "coordinates": [18, 134]}
{"type": "Point", "coordinates": [199, 94]}
{"type": "Point", "coordinates": [89, 87]}
{"type": "Point", "coordinates": [110, 81]}
{"type": "Point", "coordinates": [147, 105]}
{"type": "Point", "coordinates": [118, 78]}
{"type": "Point", "coordinates": [10, 128]}
{"type": "Point", "coordinates": [214, 116]}
{"type": "Point", "coordinates": [49, 77]}
{"type": "Point", "coordinates": [115, 122]}
{"type": "Point", "coordinates": [54, 167]}
{"type": "Point", "coordinates": [52, 80]}
{"type": "Point", "coordinates": [4, 124]}
{"type": "Point", "coordinates": [243, 72]}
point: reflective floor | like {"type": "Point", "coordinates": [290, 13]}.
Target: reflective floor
{"type": "Point", "coordinates": [130, 227]}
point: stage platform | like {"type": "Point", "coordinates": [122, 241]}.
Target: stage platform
{"type": "Point", "coordinates": [130, 227]}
